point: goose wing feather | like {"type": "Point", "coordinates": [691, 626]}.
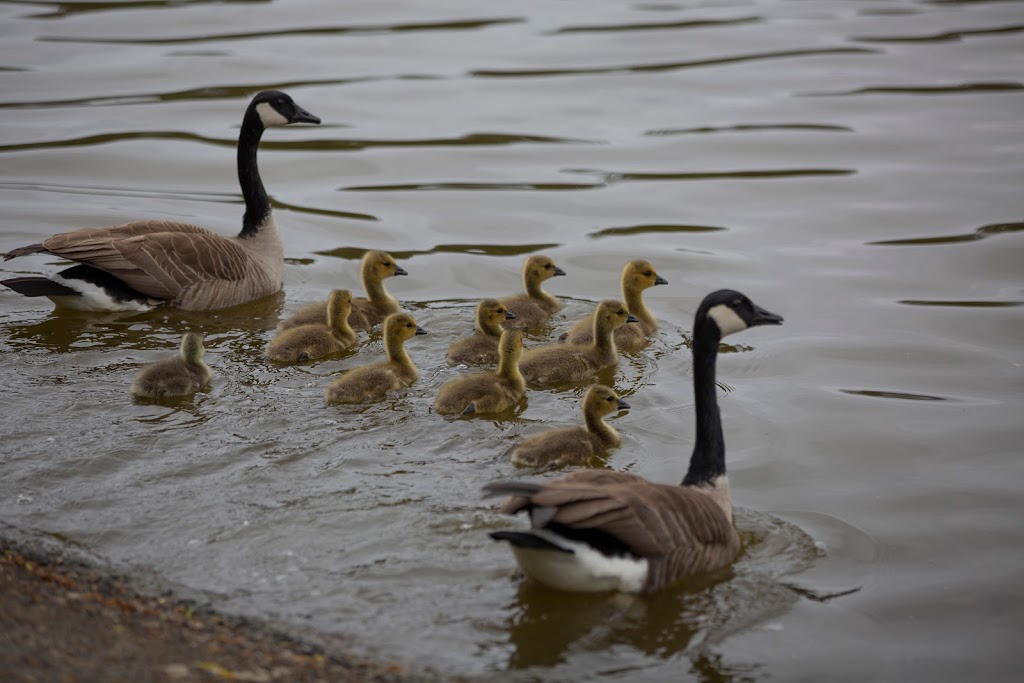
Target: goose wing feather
{"type": "Point", "coordinates": [158, 258]}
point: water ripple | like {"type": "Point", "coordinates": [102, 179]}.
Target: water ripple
{"type": "Point", "coordinates": [657, 26]}
{"type": "Point", "coordinates": [456, 186]}
{"type": "Point", "coordinates": [614, 177]}
{"type": "Point", "coordinates": [470, 139]}
{"type": "Point", "coordinates": [669, 66]}
{"type": "Point", "coordinates": [63, 9]}
{"type": "Point", "coordinates": [945, 36]}
{"type": "Point", "coordinates": [981, 233]}
{"type": "Point", "coordinates": [750, 128]}
{"type": "Point", "coordinates": [356, 253]}
{"type": "Point", "coordinates": [465, 25]}
{"type": "Point", "coordinates": [653, 229]}
{"type": "Point", "coordinates": [876, 393]}
{"type": "Point", "coordinates": [962, 304]}
{"type": "Point", "coordinates": [957, 89]}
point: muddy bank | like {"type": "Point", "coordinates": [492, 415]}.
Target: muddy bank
{"type": "Point", "coordinates": [69, 616]}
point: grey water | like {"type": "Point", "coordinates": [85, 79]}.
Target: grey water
{"type": "Point", "coordinates": [854, 165]}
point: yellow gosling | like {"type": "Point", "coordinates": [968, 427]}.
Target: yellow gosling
{"type": "Point", "coordinates": [562, 363]}
{"type": "Point", "coordinates": [373, 382]}
{"type": "Point", "coordinates": [366, 312]}
{"type": "Point", "coordinates": [481, 347]}
{"type": "Point", "coordinates": [314, 340]}
{"type": "Point", "coordinates": [487, 392]}
{"type": "Point", "coordinates": [180, 375]}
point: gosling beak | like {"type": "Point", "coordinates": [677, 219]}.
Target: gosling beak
{"type": "Point", "coordinates": [420, 330]}
{"type": "Point", "coordinates": [623, 405]}
{"type": "Point", "coordinates": [659, 280]}
{"type": "Point", "coordinates": [632, 318]}
{"type": "Point", "coordinates": [763, 317]}
{"type": "Point", "coordinates": [558, 271]}
{"type": "Point", "coordinates": [303, 116]}
{"type": "Point", "coordinates": [399, 270]}
{"type": "Point", "coordinates": [509, 315]}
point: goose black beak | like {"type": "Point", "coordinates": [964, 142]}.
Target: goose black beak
{"type": "Point", "coordinates": [303, 116]}
{"type": "Point", "coordinates": [558, 271]}
{"type": "Point", "coordinates": [632, 318]}
{"type": "Point", "coordinates": [659, 280]}
{"type": "Point", "coordinates": [763, 317]}
{"type": "Point", "coordinates": [399, 270]}
{"type": "Point", "coordinates": [509, 315]}
{"type": "Point", "coordinates": [420, 330]}
{"type": "Point", "coordinates": [623, 405]}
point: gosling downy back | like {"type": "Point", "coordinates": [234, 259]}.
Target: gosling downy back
{"type": "Point", "coordinates": [595, 530]}
{"type": "Point", "coordinates": [481, 347]}
{"type": "Point", "coordinates": [535, 306]}
{"type": "Point", "coordinates": [637, 275]}
{"type": "Point", "coordinates": [180, 375]}
{"type": "Point", "coordinates": [140, 265]}
{"type": "Point", "coordinates": [373, 382]}
{"type": "Point", "coordinates": [562, 363]}
{"type": "Point", "coordinates": [564, 446]}
{"type": "Point", "coordinates": [310, 342]}
{"type": "Point", "coordinates": [487, 392]}
{"type": "Point", "coordinates": [367, 312]}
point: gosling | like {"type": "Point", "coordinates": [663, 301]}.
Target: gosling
{"type": "Point", "coordinates": [534, 307]}
{"type": "Point", "coordinates": [487, 392]}
{"type": "Point", "coordinates": [314, 340]}
{"type": "Point", "coordinates": [574, 445]}
{"type": "Point", "coordinates": [373, 382]}
{"type": "Point", "coordinates": [367, 312]}
{"type": "Point", "coordinates": [481, 347]}
{"type": "Point", "coordinates": [563, 363]}
{"type": "Point", "coordinates": [637, 276]}
{"type": "Point", "coordinates": [179, 375]}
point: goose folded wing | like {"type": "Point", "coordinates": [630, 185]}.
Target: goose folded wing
{"type": "Point", "coordinates": [157, 263]}
{"type": "Point", "coordinates": [652, 520]}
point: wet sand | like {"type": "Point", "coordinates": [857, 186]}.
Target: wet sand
{"type": "Point", "coordinates": [70, 617]}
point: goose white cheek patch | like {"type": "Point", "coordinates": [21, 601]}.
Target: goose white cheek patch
{"type": "Point", "coordinates": [270, 116]}
{"type": "Point", "coordinates": [726, 319]}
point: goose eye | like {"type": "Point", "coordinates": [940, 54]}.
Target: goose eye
{"type": "Point", "coordinates": [737, 303]}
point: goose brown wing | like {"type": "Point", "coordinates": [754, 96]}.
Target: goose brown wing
{"type": "Point", "coordinates": [652, 520]}
{"type": "Point", "coordinates": [157, 258]}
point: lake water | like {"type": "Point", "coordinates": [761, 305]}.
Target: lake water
{"type": "Point", "coordinates": [856, 166]}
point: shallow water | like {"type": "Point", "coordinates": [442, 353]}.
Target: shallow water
{"type": "Point", "coordinates": [854, 166]}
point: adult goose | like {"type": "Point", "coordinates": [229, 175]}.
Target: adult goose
{"type": "Point", "coordinates": [596, 530]}
{"type": "Point", "coordinates": [637, 275]}
{"type": "Point", "coordinates": [140, 265]}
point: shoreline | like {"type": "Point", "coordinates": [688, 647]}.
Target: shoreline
{"type": "Point", "coordinates": [68, 615]}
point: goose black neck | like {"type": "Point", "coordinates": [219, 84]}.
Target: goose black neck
{"type": "Point", "coordinates": [257, 206]}
{"type": "Point", "coordinates": [708, 459]}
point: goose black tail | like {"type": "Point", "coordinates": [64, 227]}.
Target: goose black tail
{"type": "Point", "coordinates": [38, 286]}
{"type": "Point", "coordinates": [522, 539]}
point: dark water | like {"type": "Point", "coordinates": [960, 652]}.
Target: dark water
{"type": "Point", "coordinates": [854, 166]}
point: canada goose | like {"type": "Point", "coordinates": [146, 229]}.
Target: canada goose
{"type": "Point", "coordinates": [574, 445]}
{"type": "Point", "coordinates": [534, 307]}
{"type": "Point", "coordinates": [557, 363]}
{"type": "Point", "coordinates": [309, 342]}
{"type": "Point", "coordinates": [366, 312]}
{"type": "Point", "coordinates": [374, 381]}
{"type": "Point", "coordinates": [595, 530]}
{"type": "Point", "coordinates": [487, 392]}
{"type": "Point", "coordinates": [179, 375]}
{"type": "Point", "coordinates": [137, 266]}
{"type": "Point", "coordinates": [481, 347]}
{"type": "Point", "coordinates": [637, 276]}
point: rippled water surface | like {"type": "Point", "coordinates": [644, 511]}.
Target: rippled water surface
{"type": "Point", "coordinates": [854, 166]}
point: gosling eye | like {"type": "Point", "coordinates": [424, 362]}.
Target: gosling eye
{"type": "Point", "coordinates": [648, 274]}
{"type": "Point", "coordinates": [408, 324]}
{"type": "Point", "coordinates": [547, 266]}
{"type": "Point", "coordinates": [387, 264]}
{"type": "Point", "coordinates": [610, 399]}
